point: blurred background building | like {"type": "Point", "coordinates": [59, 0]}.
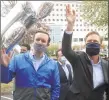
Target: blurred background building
{"type": "Point", "coordinates": [57, 22]}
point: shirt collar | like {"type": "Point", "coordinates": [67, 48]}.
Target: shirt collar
{"type": "Point", "coordinates": [98, 61]}
{"type": "Point", "coordinates": [33, 56]}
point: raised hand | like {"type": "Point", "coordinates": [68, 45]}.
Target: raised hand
{"type": "Point", "coordinates": [70, 14]}
{"type": "Point", "coordinates": [5, 58]}
{"type": "Point", "coordinates": [70, 17]}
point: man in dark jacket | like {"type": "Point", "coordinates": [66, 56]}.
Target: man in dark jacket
{"type": "Point", "coordinates": [36, 75]}
{"type": "Point", "coordinates": [66, 74]}
{"type": "Point", "coordinates": [90, 70]}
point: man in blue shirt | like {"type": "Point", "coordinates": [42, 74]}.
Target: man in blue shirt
{"type": "Point", "coordinates": [36, 75]}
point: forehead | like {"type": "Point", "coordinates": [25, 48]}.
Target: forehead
{"type": "Point", "coordinates": [41, 35]}
{"type": "Point", "coordinates": [93, 37]}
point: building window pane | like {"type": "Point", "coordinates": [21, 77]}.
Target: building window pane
{"type": "Point", "coordinates": [49, 20]}
{"type": "Point", "coordinates": [75, 39]}
{"type": "Point", "coordinates": [80, 39]}
{"type": "Point", "coordinates": [60, 9]}
{"type": "Point", "coordinates": [87, 29]}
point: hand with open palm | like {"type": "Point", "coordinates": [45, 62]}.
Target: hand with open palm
{"type": "Point", "coordinates": [5, 58]}
{"type": "Point", "coordinates": [70, 17]}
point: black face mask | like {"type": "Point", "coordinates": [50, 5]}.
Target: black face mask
{"type": "Point", "coordinates": [92, 49]}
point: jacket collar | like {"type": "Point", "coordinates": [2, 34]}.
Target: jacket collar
{"type": "Point", "coordinates": [27, 56]}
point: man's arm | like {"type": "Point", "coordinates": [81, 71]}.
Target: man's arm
{"type": "Point", "coordinates": [55, 84]}
{"type": "Point", "coordinates": [67, 38]}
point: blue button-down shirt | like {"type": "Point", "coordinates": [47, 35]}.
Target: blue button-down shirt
{"type": "Point", "coordinates": [36, 62]}
{"type": "Point", "coordinates": [98, 77]}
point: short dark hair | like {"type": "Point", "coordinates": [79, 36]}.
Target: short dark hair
{"type": "Point", "coordinates": [96, 33]}
{"type": "Point", "coordinates": [26, 45]}
{"type": "Point", "coordinates": [58, 51]}
{"type": "Point", "coordinates": [42, 28]}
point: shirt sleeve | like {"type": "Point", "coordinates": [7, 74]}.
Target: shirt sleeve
{"type": "Point", "coordinates": [68, 32]}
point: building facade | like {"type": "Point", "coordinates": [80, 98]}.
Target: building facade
{"type": "Point", "coordinates": [57, 22]}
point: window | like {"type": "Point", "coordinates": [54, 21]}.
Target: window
{"type": "Point", "coordinates": [61, 19]}
{"type": "Point", "coordinates": [52, 14]}
{"type": "Point", "coordinates": [106, 39]}
{"type": "Point", "coordinates": [57, 14]}
{"type": "Point", "coordinates": [80, 39]}
{"type": "Point", "coordinates": [56, 9]}
{"type": "Point", "coordinates": [76, 5]}
{"type": "Point", "coordinates": [75, 39]}
{"type": "Point", "coordinates": [57, 19]}
{"type": "Point", "coordinates": [77, 29]}
{"type": "Point", "coordinates": [91, 25]}
{"type": "Point", "coordinates": [98, 29]}
{"type": "Point", "coordinates": [49, 19]}
{"type": "Point", "coordinates": [53, 19]}
{"type": "Point", "coordinates": [80, 24]}
{"type": "Point", "coordinates": [87, 29]}
{"type": "Point", "coordinates": [61, 29]}
{"type": "Point", "coordinates": [45, 20]}
{"type": "Point", "coordinates": [60, 9]}
{"type": "Point", "coordinates": [72, 5]}
{"type": "Point", "coordinates": [56, 4]}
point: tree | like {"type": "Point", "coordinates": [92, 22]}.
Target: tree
{"type": "Point", "coordinates": [95, 12]}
